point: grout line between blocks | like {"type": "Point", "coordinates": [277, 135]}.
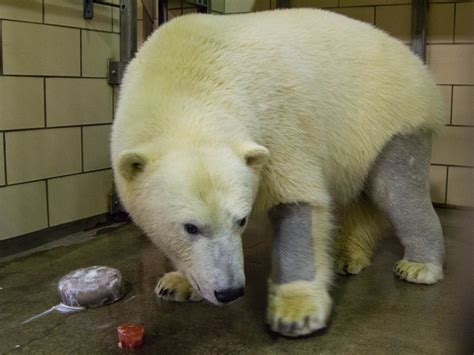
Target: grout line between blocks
{"type": "Point", "coordinates": [1, 48]}
{"type": "Point", "coordinates": [59, 176]}
{"type": "Point", "coordinates": [56, 25]}
{"type": "Point", "coordinates": [57, 127]}
{"type": "Point", "coordinates": [4, 152]}
{"type": "Point", "coordinates": [82, 149]}
{"type": "Point", "coordinates": [111, 18]}
{"type": "Point", "coordinates": [446, 189]}
{"type": "Point", "coordinates": [67, 76]}
{"type": "Point", "coordinates": [47, 202]}
{"type": "Point", "coordinates": [80, 53]}
{"type": "Point", "coordinates": [44, 103]}
{"type": "Point", "coordinates": [459, 125]}
{"type": "Point", "coordinates": [452, 104]}
{"type": "Point", "coordinates": [453, 165]}
{"type": "Point", "coordinates": [113, 104]}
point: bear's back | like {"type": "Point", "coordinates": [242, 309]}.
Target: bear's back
{"type": "Point", "coordinates": [317, 88]}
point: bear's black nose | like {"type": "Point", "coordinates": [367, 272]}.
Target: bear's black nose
{"type": "Point", "coordinates": [228, 295]}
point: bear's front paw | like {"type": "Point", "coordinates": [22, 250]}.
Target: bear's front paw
{"type": "Point", "coordinates": [420, 273]}
{"type": "Point", "coordinates": [297, 308]}
{"type": "Point", "coordinates": [173, 286]}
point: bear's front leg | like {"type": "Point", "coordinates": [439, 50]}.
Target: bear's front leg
{"type": "Point", "coordinates": [299, 302]}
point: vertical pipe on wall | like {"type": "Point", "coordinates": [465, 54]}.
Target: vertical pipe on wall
{"type": "Point", "coordinates": [419, 11]}
{"type": "Point", "coordinates": [128, 30]}
{"type": "Point", "coordinates": [128, 48]}
{"type": "Point", "coordinates": [156, 13]}
{"type": "Point", "coordinates": [162, 11]}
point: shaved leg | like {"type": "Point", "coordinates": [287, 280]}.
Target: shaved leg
{"type": "Point", "coordinates": [399, 185]}
{"type": "Point", "coordinates": [299, 303]}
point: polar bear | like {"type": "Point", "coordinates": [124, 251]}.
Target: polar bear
{"type": "Point", "coordinates": [323, 121]}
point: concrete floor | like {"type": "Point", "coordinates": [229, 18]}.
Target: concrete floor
{"type": "Point", "coordinates": [374, 312]}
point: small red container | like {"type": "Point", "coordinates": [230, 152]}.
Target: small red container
{"type": "Point", "coordinates": [130, 335]}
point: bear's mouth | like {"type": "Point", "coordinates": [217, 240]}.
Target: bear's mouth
{"type": "Point", "coordinates": [195, 284]}
{"type": "Point", "coordinates": [208, 296]}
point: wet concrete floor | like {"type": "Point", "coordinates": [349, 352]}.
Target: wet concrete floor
{"type": "Point", "coordinates": [374, 312]}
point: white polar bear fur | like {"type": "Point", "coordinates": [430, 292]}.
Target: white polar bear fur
{"type": "Point", "coordinates": [320, 91]}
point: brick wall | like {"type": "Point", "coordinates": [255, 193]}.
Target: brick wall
{"type": "Point", "coordinates": [55, 113]}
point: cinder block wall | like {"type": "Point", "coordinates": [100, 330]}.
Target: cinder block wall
{"type": "Point", "coordinates": [56, 109]}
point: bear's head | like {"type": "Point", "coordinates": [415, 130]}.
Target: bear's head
{"type": "Point", "coordinates": [194, 203]}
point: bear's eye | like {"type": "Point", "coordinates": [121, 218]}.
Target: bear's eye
{"type": "Point", "coordinates": [191, 228]}
{"type": "Point", "coordinates": [241, 222]}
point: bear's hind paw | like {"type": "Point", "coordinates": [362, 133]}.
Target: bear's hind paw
{"type": "Point", "coordinates": [173, 286]}
{"type": "Point", "coordinates": [420, 273]}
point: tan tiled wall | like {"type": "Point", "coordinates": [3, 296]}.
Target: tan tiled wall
{"type": "Point", "coordinates": [23, 209]}
{"type": "Point", "coordinates": [42, 153]}
{"type": "Point", "coordinates": [450, 55]}
{"type": "Point", "coordinates": [56, 107]}
{"type": "Point", "coordinates": [56, 110]}
{"type": "Point", "coordinates": [78, 101]}
{"type": "Point", "coordinates": [36, 49]}
{"type": "Point", "coordinates": [97, 48]}
{"type": "Point", "coordinates": [30, 11]}
{"type": "Point", "coordinates": [78, 196]}
{"type": "Point", "coordinates": [69, 13]}
{"type": "Point", "coordinates": [21, 102]}
{"type": "Point", "coordinates": [95, 145]}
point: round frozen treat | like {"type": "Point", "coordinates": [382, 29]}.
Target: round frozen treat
{"type": "Point", "coordinates": [130, 335]}
{"type": "Point", "coordinates": [91, 287]}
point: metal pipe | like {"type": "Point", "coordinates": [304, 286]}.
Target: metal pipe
{"type": "Point", "coordinates": [128, 30]}
{"type": "Point", "coordinates": [419, 9]}
{"type": "Point", "coordinates": [162, 11]}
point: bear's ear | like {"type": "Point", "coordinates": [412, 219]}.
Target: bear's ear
{"type": "Point", "coordinates": [255, 156]}
{"type": "Point", "coordinates": [131, 163]}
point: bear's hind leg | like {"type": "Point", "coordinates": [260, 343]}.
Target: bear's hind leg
{"type": "Point", "coordinates": [173, 286]}
{"type": "Point", "coordinates": [360, 226]}
{"type": "Point", "coordinates": [299, 302]}
{"type": "Point", "coordinates": [399, 185]}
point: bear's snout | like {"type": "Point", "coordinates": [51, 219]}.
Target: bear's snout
{"type": "Point", "coordinates": [229, 295]}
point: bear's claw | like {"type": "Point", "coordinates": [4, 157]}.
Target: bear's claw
{"type": "Point", "coordinates": [173, 286]}
{"type": "Point", "coordinates": [297, 309]}
{"type": "Point", "coordinates": [420, 273]}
